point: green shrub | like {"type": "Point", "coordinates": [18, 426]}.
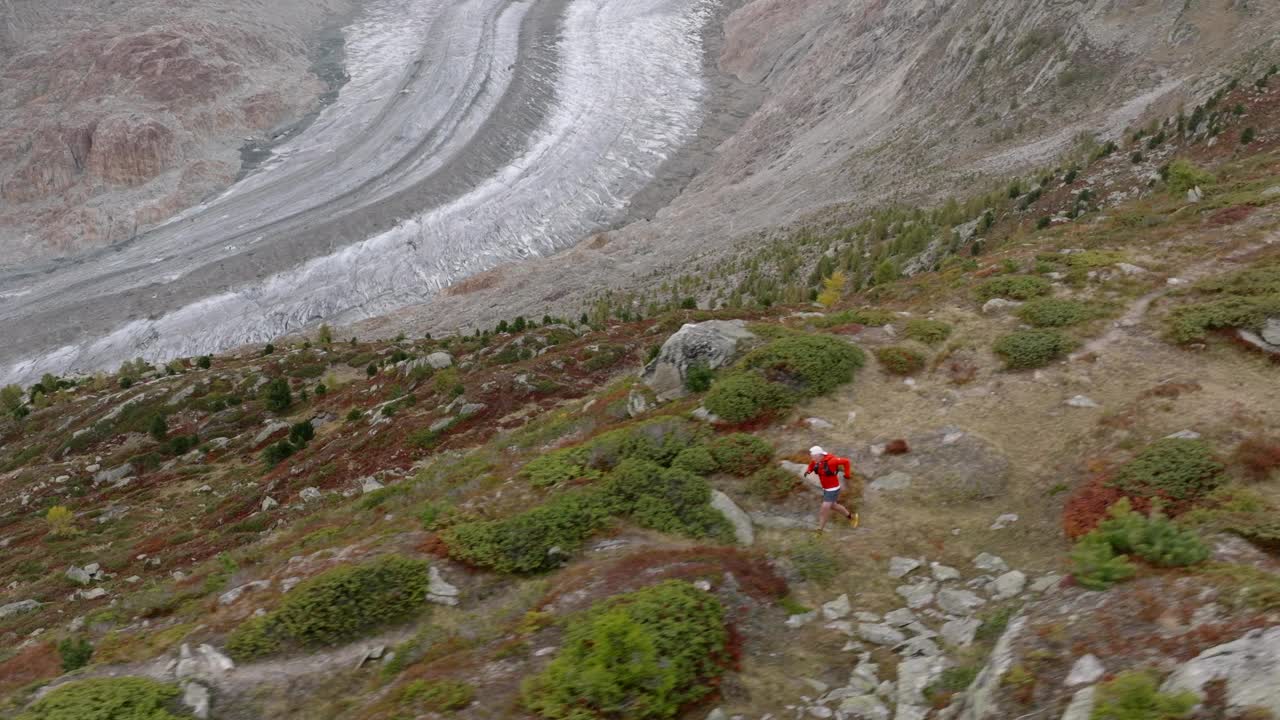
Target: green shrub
{"type": "Point", "coordinates": [1032, 348]}
{"type": "Point", "coordinates": [772, 483]}
{"type": "Point", "coordinates": [871, 317]}
{"type": "Point", "coordinates": [436, 695]}
{"type": "Point", "coordinates": [1017, 287]}
{"type": "Point", "coordinates": [900, 360]}
{"type": "Point", "coordinates": [698, 378]}
{"type": "Point", "coordinates": [277, 453]}
{"type": "Point", "coordinates": [1053, 312]}
{"type": "Point", "coordinates": [277, 396]}
{"type": "Point", "coordinates": [204, 362]}
{"type": "Point", "coordinates": [560, 466]}
{"type": "Point", "coordinates": [929, 332]}
{"type": "Point", "coordinates": [641, 655]}
{"type": "Point", "coordinates": [668, 500]}
{"type": "Point", "coordinates": [1183, 175]}
{"type": "Point", "coordinates": [337, 605]}
{"type": "Point", "coordinates": [1190, 323]}
{"type": "Point", "coordinates": [1153, 538]}
{"type": "Point", "coordinates": [952, 680]}
{"type": "Point", "coordinates": [696, 459]}
{"type": "Point", "coordinates": [522, 544]}
{"type": "Point", "coordinates": [659, 440]}
{"type": "Point", "coordinates": [1135, 695]}
{"type": "Point", "coordinates": [302, 433]}
{"type": "Point", "coordinates": [75, 653]}
{"type": "Point", "coordinates": [743, 396]}
{"type": "Point", "coordinates": [123, 698]}
{"type": "Point", "coordinates": [1173, 467]}
{"type": "Point", "coordinates": [811, 365]}
{"type": "Point", "coordinates": [375, 499]}
{"type": "Point", "coordinates": [159, 428]}
{"type": "Point", "coordinates": [1095, 564]}
{"type": "Point", "coordinates": [740, 453]}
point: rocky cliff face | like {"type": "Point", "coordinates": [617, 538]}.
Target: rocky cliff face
{"type": "Point", "coordinates": [113, 121]}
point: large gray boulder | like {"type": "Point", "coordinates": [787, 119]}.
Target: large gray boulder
{"type": "Point", "coordinates": [743, 532]}
{"type": "Point", "coordinates": [714, 343]}
{"type": "Point", "coordinates": [1250, 666]}
{"type": "Point", "coordinates": [1271, 331]}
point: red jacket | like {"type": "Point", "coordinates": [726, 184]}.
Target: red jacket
{"type": "Point", "coordinates": [828, 469]}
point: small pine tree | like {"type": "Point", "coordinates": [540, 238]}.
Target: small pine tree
{"type": "Point", "coordinates": [61, 521]}
{"type": "Point", "coordinates": [371, 370]}
{"type": "Point", "coordinates": [886, 272]}
{"type": "Point", "coordinates": [519, 325]}
{"type": "Point", "coordinates": [269, 349]}
{"type": "Point", "coordinates": [75, 653]}
{"type": "Point", "coordinates": [278, 396]}
{"type": "Point", "coordinates": [159, 428]}
{"type": "Point", "coordinates": [325, 336]}
{"type": "Point", "coordinates": [1095, 564]}
{"type": "Point", "coordinates": [832, 289]}
{"type": "Point", "coordinates": [205, 362]}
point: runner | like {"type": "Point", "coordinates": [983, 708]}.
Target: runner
{"type": "Point", "coordinates": [828, 468]}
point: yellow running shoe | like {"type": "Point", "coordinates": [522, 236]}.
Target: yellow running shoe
{"type": "Point", "coordinates": [855, 520]}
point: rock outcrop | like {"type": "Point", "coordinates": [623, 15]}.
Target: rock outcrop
{"type": "Point", "coordinates": [713, 344]}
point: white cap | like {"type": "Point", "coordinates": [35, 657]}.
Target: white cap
{"type": "Point", "coordinates": [816, 450]}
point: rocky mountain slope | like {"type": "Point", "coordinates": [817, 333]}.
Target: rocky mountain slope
{"type": "Point", "coordinates": [1063, 419]}
{"type": "Point", "coordinates": [114, 119]}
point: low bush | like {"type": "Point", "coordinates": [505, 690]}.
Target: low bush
{"type": "Point", "coordinates": [811, 365]}
{"type": "Point", "coordinates": [668, 500]}
{"type": "Point", "coordinates": [698, 378]}
{"type": "Point", "coordinates": [336, 606]}
{"type": "Point", "coordinates": [277, 453]}
{"type": "Point", "coordinates": [641, 655]}
{"type": "Point", "coordinates": [122, 698]}
{"type": "Point", "coordinates": [557, 467]}
{"type": "Point", "coordinates": [1096, 566]}
{"type": "Point", "coordinates": [1238, 300]}
{"type": "Point", "coordinates": [1016, 287]}
{"type": "Point", "coordinates": [696, 459]}
{"type": "Point", "coordinates": [75, 653]}
{"type": "Point", "coordinates": [740, 454]}
{"type": "Point", "coordinates": [1183, 175]}
{"type": "Point", "coordinates": [900, 360]}
{"type": "Point", "coordinates": [1174, 468]}
{"type": "Point", "coordinates": [1054, 312]}
{"type": "Point", "coordinates": [434, 696]}
{"type": "Point", "coordinates": [929, 332]}
{"type": "Point", "coordinates": [522, 544]}
{"type": "Point", "coordinates": [1258, 458]}
{"type": "Point", "coordinates": [872, 317]}
{"type": "Point", "coordinates": [1135, 695]}
{"type": "Point", "coordinates": [1032, 348]}
{"type": "Point", "coordinates": [772, 483]}
{"type": "Point", "coordinates": [1153, 538]}
{"type": "Point", "coordinates": [744, 396]}
{"type": "Point", "coordinates": [276, 395]}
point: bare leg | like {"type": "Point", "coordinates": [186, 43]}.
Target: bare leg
{"type": "Point", "coordinates": [823, 514]}
{"type": "Point", "coordinates": [844, 510]}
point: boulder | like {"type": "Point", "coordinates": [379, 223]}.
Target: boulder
{"type": "Point", "coordinates": [900, 566]}
{"type": "Point", "coordinates": [837, 608]}
{"type": "Point", "coordinates": [369, 484]}
{"type": "Point", "coordinates": [639, 401]}
{"type": "Point", "coordinates": [440, 360]}
{"type": "Point", "coordinates": [816, 423]}
{"type": "Point", "coordinates": [268, 503]}
{"type": "Point", "coordinates": [1086, 671]}
{"type": "Point", "coordinates": [310, 494]}
{"type": "Point", "coordinates": [1250, 666]}
{"type": "Point", "coordinates": [741, 522]}
{"type": "Point", "coordinates": [959, 632]}
{"type": "Point", "coordinates": [880, 634]}
{"type": "Point", "coordinates": [439, 591]}
{"type": "Point", "coordinates": [1081, 401]}
{"type": "Point", "coordinates": [999, 305]}
{"type": "Point", "coordinates": [1004, 521]}
{"type": "Point", "coordinates": [713, 344]}
{"type": "Point", "coordinates": [1047, 583]}
{"type": "Point", "coordinates": [1271, 331]}
{"type": "Point", "coordinates": [987, 562]}
{"type": "Point", "coordinates": [901, 617]}
{"type": "Point", "coordinates": [980, 701]}
{"type": "Point", "coordinates": [113, 475]}
{"type": "Point", "coordinates": [919, 594]}
{"type": "Point", "coordinates": [18, 608]}
{"type": "Point", "coordinates": [801, 619]}
{"type": "Point", "coordinates": [268, 430]}
{"type": "Point", "coordinates": [914, 676]}
{"type": "Point", "coordinates": [196, 697]}
{"type": "Point", "coordinates": [79, 576]}
{"type": "Point", "coordinates": [919, 646]}
{"type": "Point", "coordinates": [231, 596]}
{"type": "Point", "coordinates": [1081, 706]}
{"type": "Point", "coordinates": [959, 602]}
{"type": "Point", "coordinates": [864, 707]}
{"type": "Point", "coordinates": [1010, 584]}
{"type": "Point", "coordinates": [943, 573]}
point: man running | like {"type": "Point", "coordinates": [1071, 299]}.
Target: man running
{"type": "Point", "coordinates": [828, 468]}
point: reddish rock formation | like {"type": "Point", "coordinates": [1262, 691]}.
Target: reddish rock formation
{"type": "Point", "coordinates": [131, 149]}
